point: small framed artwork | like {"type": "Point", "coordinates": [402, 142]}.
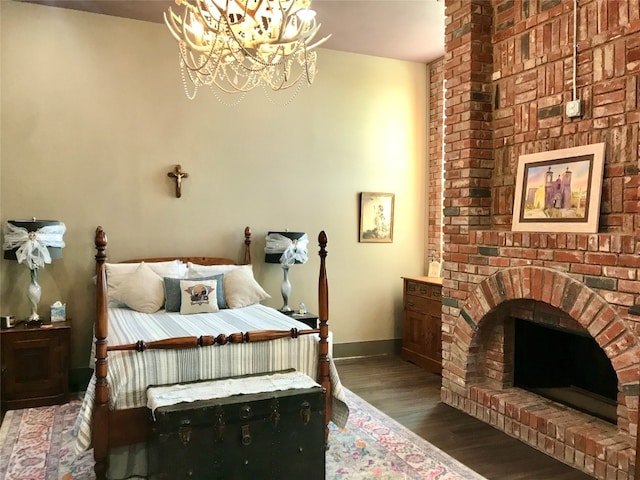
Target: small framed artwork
{"type": "Point", "coordinates": [559, 191]}
{"type": "Point", "coordinates": [376, 217]}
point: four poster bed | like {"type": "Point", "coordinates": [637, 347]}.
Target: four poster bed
{"type": "Point", "coordinates": [142, 346]}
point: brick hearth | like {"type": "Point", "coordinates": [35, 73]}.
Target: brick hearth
{"type": "Point", "coordinates": [591, 445]}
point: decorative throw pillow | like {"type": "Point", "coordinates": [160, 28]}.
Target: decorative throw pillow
{"type": "Point", "coordinates": [142, 290]}
{"type": "Point", "coordinates": [241, 288]}
{"type": "Point", "coordinates": [117, 273]}
{"type": "Point", "coordinates": [198, 296]}
{"type": "Point", "coordinates": [173, 293]}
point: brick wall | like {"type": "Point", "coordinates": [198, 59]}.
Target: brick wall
{"type": "Point", "coordinates": [509, 70]}
{"type": "Point", "coordinates": [435, 160]}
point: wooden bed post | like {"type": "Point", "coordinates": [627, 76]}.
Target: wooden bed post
{"type": "Point", "coordinates": [323, 307]}
{"type": "Point", "coordinates": [247, 248]}
{"type": "Point", "coordinates": [101, 408]}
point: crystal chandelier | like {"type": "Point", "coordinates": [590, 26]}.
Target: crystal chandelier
{"type": "Point", "coordinates": [237, 45]}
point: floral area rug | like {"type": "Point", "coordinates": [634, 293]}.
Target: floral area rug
{"type": "Point", "coordinates": [375, 446]}
{"type": "Point", "coordinates": [36, 444]}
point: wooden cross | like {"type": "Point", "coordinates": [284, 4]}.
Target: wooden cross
{"type": "Point", "coordinates": [178, 175]}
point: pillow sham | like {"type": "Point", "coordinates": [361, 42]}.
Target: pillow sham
{"type": "Point", "coordinates": [241, 288]}
{"type": "Point", "coordinates": [142, 290]}
{"type": "Point", "coordinates": [173, 292]}
{"type": "Point", "coordinates": [196, 271]}
{"type": "Point", "coordinates": [117, 273]}
{"type": "Point", "coordinates": [198, 296]}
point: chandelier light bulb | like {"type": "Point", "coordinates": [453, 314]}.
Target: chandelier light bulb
{"type": "Point", "coordinates": [197, 30]}
{"type": "Point", "coordinates": [306, 15]}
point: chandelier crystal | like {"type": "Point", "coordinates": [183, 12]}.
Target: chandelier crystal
{"type": "Point", "coordinates": [236, 45]}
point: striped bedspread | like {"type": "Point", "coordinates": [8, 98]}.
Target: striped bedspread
{"type": "Point", "coordinates": [130, 373]}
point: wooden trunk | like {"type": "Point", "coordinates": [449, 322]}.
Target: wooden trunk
{"type": "Point", "coordinates": [275, 435]}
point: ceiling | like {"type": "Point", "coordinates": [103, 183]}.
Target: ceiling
{"type": "Point", "coordinates": [411, 30]}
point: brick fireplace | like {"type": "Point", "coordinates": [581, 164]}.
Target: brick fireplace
{"type": "Point", "coordinates": [508, 74]}
{"type": "Point", "coordinates": [478, 377]}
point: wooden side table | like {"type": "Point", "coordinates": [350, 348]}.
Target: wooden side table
{"type": "Point", "coordinates": [35, 365]}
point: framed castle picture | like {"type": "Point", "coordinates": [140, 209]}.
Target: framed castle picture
{"type": "Point", "coordinates": [559, 190]}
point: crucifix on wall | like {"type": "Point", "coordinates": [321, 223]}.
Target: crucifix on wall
{"type": "Point", "coordinates": [178, 175]}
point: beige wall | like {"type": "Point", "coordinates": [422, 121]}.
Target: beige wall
{"type": "Point", "coordinates": [94, 116]}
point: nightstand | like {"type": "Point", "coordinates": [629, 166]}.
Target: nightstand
{"type": "Point", "coordinates": [309, 318]}
{"type": "Point", "coordinates": [35, 365]}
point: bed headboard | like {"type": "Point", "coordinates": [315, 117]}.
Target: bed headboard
{"type": "Point", "coordinates": [204, 260]}
{"type": "Point", "coordinates": [198, 260]}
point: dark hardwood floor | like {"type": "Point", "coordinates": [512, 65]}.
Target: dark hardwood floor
{"type": "Point", "coordinates": [411, 396]}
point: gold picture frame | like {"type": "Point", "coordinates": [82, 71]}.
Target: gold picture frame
{"type": "Point", "coordinates": [376, 217]}
{"type": "Point", "coordinates": [559, 190]}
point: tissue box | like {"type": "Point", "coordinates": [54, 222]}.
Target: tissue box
{"type": "Point", "coordinates": [58, 313]}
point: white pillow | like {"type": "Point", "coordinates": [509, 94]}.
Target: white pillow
{"type": "Point", "coordinates": [198, 271]}
{"type": "Point", "coordinates": [117, 273]}
{"type": "Point", "coordinates": [142, 290]}
{"type": "Point", "coordinates": [198, 296]}
{"type": "Point", "coordinates": [241, 288]}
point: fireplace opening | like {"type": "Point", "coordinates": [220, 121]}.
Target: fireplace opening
{"type": "Point", "coordinates": [565, 366]}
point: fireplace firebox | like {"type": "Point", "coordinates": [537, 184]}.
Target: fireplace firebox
{"type": "Point", "coordinates": [566, 366]}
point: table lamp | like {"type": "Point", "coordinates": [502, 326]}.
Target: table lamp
{"type": "Point", "coordinates": [286, 248]}
{"type": "Point", "coordinates": [34, 243]}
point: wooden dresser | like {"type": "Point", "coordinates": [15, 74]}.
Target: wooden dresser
{"type": "Point", "coordinates": [422, 339]}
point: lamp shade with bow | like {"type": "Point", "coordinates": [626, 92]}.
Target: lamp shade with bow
{"type": "Point", "coordinates": [33, 243]}
{"type": "Point", "coordinates": [286, 249]}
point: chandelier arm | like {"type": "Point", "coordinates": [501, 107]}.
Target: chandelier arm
{"type": "Point", "coordinates": [179, 24]}
{"type": "Point", "coordinates": [285, 18]}
{"type": "Point", "coordinates": [285, 22]}
{"type": "Point", "coordinates": [318, 43]}
{"type": "Point", "coordinates": [209, 55]}
{"type": "Point", "coordinates": [174, 28]}
{"type": "Point", "coordinates": [192, 45]}
{"type": "Point", "coordinates": [171, 24]}
{"type": "Point", "coordinates": [310, 33]}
